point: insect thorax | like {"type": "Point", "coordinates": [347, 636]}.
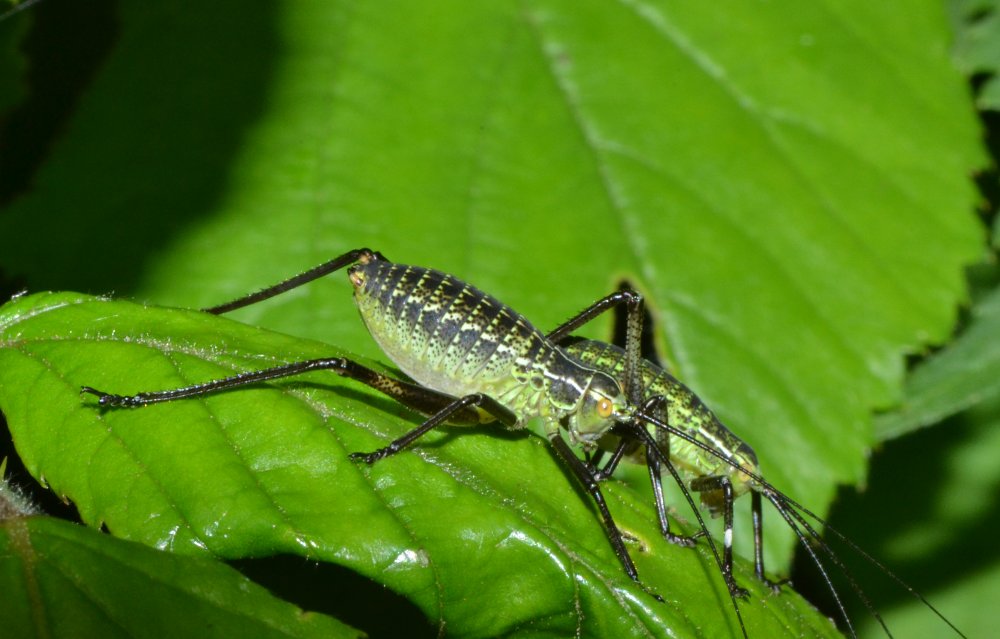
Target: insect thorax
{"type": "Point", "coordinates": [683, 410]}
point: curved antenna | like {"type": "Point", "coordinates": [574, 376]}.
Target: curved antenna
{"type": "Point", "coordinates": [794, 520]}
{"type": "Point", "coordinates": [773, 493]}
{"type": "Point", "coordinates": [653, 446]}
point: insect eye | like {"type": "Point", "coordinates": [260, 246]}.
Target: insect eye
{"type": "Point", "coordinates": [605, 407]}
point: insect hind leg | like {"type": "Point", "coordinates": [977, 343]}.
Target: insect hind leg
{"type": "Point", "coordinates": [419, 398]}
{"type": "Point", "coordinates": [656, 479]}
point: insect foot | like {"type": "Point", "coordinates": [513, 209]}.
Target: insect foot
{"type": "Point", "coordinates": [684, 541]}
{"type": "Point", "coordinates": [372, 457]}
{"type": "Point", "coordinates": [107, 399]}
{"type": "Point", "coordinates": [775, 586]}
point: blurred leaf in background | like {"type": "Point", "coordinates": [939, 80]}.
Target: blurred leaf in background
{"type": "Point", "coordinates": [977, 46]}
{"type": "Point", "coordinates": [790, 187]}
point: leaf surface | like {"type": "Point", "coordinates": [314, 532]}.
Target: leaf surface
{"type": "Point", "coordinates": [459, 520]}
{"type": "Point", "coordinates": [65, 580]}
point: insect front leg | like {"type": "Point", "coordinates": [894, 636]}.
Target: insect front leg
{"type": "Point", "coordinates": [594, 459]}
{"type": "Point", "coordinates": [655, 405]}
{"type": "Point", "coordinates": [655, 468]}
{"type": "Point", "coordinates": [588, 478]}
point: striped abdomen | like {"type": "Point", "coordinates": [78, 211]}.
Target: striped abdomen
{"type": "Point", "coordinates": [452, 337]}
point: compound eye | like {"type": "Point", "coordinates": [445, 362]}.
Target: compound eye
{"type": "Point", "coordinates": [605, 407]}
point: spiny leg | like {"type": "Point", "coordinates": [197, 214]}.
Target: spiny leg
{"type": "Point", "coordinates": [633, 335]}
{"type": "Point", "coordinates": [442, 407]}
{"type": "Point", "coordinates": [757, 515]}
{"type": "Point", "coordinates": [722, 483]}
{"type": "Point", "coordinates": [655, 468]}
{"type": "Point", "coordinates": [216, 385]}
{"type": "Point", "coordinates": [416, 397]}
{"type": "Point", "coordinates": [652, 449]}
{"type": "Point", "coordinates": [600, 474]}
{"type": "Point", "coordinates": [585, 474]}
{"type": "Point", "coordinates": [656, 478]}
{"type": "Point", "coordinates": [655, 405]}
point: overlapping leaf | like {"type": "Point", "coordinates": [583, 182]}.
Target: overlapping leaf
{"type": "Point", "coordinates": [961, 376]}
{"type": "Point", "coordinates": [64, 580]}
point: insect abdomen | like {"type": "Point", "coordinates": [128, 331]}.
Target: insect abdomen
{"type": "Point", "coordinates": [443, 333]}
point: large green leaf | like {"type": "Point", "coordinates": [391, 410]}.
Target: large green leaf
{"type": "Point", "coordinates": [960, 493]}
{"type": "Point", "coordinates": [454, 523]}
{"type": "Point", "coordinates": [957, 389]}
{"type": "Point", "coordinates": [63, 580]}
{"type": "Point", "coordinates": [935, 545]}
{"type": "Point", "coordinates": [788, 186]}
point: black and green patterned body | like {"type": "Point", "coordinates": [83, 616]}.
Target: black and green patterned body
{"type": "Point", "coordinates": [453, 338]}
{"type": "Point", "coordinates": [686, 412]}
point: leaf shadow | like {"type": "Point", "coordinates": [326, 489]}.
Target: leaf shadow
{"type": "Point", "coordinates": [904, 484]}
{"type": "Point", "coordinates": [339, 592]}
{"type": "Point", "coordinates": [149, 146]}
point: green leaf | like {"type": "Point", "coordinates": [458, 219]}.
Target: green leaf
{"type": "Point", "coordinates": [956, 389]}
{"type": "Point", "coordinates": [962, 375]}
{"type": "Point", "coordinates": [977, 46]}
{"type": "Point", "coordinates": [935, 547]}
{"type": "Point", "coordinates": [64, 580]}
{"type": "Point", "coordinates": [457, 521]}
{"type": "Point", "coordinates": [789, 188]}
{"type": "Point", "coordinates": [962, 502]}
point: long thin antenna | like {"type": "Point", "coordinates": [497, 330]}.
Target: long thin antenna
{"type": "Point", "coordinates": [773, 493]}
{"type": "Point", "coordinates": [651, 445]}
